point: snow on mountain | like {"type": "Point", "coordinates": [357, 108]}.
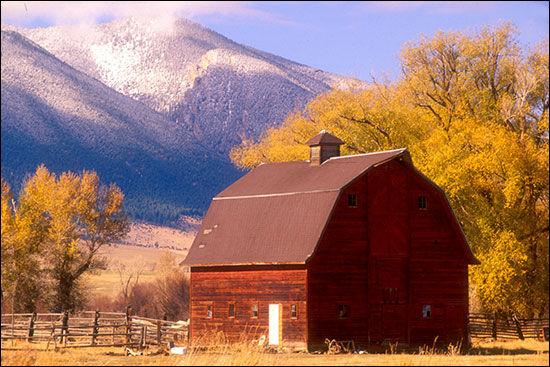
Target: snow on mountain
{"type": "Point", "coordinates": [176, 66]}
{"type": "Point", "coordinates": [153, 104]}
{"type": "Point", "coordinates": [59, 116]}
{"type": "Point", "coordinates": [32, 76]}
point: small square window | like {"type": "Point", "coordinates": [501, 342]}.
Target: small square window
{"type": "Point", "coordinates": [422, 203]}
{"type": "Point", "coordinates": [426, 311]}
{"type": "Point", "coordinates": [231, 310]}
{"type": "Point", "coordinates": [343, 312]}
{"type": "Point", "coordinates": [352, 200]}
{"type": "Point", "coordinates": [293, 312]}
{"type": "Point", "coordinates": [209, 311]}
{"type": "Point", "coordinates": [254, 310]}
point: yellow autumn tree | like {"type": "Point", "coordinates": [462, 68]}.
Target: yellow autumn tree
{"type": "Point", "coordinates": [72, 217]}
{"type": "Point", "coordinates": [367, 120]}
{"type": "Point", "coordinates": [22, 234]}
{"type": "Point", "coordinates": [473, 110]}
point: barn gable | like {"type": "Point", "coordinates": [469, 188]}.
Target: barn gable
{"type": "Point", "coordinates": [277, 213]}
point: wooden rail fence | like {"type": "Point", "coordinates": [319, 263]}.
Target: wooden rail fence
{"type": "Point", "coordinates": [90, 329]}
{"type": "Point", "coordinates": [113, 329]}
{"type": "Point", "coordinates": [494, 325]}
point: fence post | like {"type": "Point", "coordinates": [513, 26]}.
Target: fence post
{"type": "Point", "coordinates": [128, 323]}
{"type": "Point", "coordinates": [189, 332]}
{"type": "Point", "coordinates": [12, 324]}
{"type": "Point", "coordinates": [518, 326]}
{"type": "Point", "coordinates": [52, 335]}
{"type": "Point", "coordinates": [65, 328]}
{"type": "Point", "coordinates": [469, 332]}
{"type": "Point", "coordinates": [30, 333]}
{"type": "Point", "coordinates": [494, 334]}
{"type": "Point", "coordinates": [143, 337]}
{"type": "Point", "coordinates": [159, 332]}
{"type": "Point", "coordinates": [95, 327]}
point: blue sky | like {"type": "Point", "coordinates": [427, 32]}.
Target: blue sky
{"type": "Point", "coordinates": [354, 39]}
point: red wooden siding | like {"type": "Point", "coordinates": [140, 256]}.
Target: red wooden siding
{"type": "Point", "coordinates": [338, 273]}
{"type": "Point", "coordinates": [415, 260]}
{"type": "Point", "coordinates": [386, 259]}
{"type": "Point", "coordinates": [388, 226]}
{"type": "Point", "coordinates": [438, 268]}
{"type": "Point", "coordinates": [245, 286]}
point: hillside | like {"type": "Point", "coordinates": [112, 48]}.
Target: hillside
{"type": "Point", "coordinates": [59, 116]}
{"type": "Point", "coordinates": [216, 89]}
{"type": "Point", "coordinates": [153, 104]}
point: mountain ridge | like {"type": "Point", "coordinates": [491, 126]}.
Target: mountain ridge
{"type": "Point", "coordinates": [152, 104]}
{"type": "Point", "coordinates": [55, 115]}
{"type": "Point", "coordinates": [161, 61]}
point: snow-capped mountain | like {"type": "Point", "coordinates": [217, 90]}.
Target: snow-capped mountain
{"type": "Point", "coordinates": [218, 90]}
{"type": "Point", "coordinates": [154, 105]}
{"type": "Point", "coordinates": [59, 116]}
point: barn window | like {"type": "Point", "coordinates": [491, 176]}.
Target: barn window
{"type": "Point", "coordinates": [352, 200]}
{"type": "Point", "coordinates": [422, 203]}
{"type": "Point", "coordinates": [231, 310]}
{"type": "Point", "coordinates": [343, 312]}
{"type": "Point", "coordinates": [254, 310]}
{"type": "Point", "coordinates": [426, 311]}
{"type": "Point", "coordinates": [209, 311]}
{"type": "Point", "coordinates": [293, 312]}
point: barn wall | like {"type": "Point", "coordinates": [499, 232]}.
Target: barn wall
{"type": "Point", "coordinates": [338, 274]}
{"type": "Point", "coordinates": [415, 260]}
{"type": "Point", "coordinates": [245, 286]}
{"type": "Point", "coordinates": [388, 237]}
{"type": "Point", "coordinates": [386, 259]}
{"type": "Point", "coordinates": [438, 268]}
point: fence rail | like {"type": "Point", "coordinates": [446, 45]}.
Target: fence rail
{"type": "Point", "coordinates": [113, 329]}
{"type": "Point", "coordinates": [506, 326]}
{"type": "Point", "coordinates": [90, 329]}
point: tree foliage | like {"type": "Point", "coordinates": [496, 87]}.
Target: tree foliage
{"type": "Point", "coordinates": [22, 233]}
{"type": "Point", "coordinates": [473, 110]}
{"type": "Point", "coordinates": [57, 228]}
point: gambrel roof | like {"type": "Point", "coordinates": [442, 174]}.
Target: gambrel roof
{"type": "Point", "coordinates": [277, 213]}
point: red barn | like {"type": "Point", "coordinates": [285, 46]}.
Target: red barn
{"type": "Point", "coordinates": [362, 247]}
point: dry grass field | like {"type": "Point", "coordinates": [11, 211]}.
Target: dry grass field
{"type": "Point", "coordinates": [152, 236]}
{"type": "Point", "coordinates": [107, 282]}
{"type": "Point", "coordinates": [142, 247]}
{"type": "Point", "coordinates": [483, 353]}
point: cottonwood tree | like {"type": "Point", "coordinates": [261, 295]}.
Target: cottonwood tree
{"type": "Point", "coordinates": [72, 217]}
{"type": "Point", "coordinates": [22, 234]}
{"type": "Point", "coordinates": [473, 110]}
{"type": "Point", "coordinates": [129, 274]}
{"type": "Point", "coordinates": [172, 284]}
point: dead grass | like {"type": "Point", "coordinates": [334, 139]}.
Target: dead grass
{"type": "Point", "coordinates": [150, 235]}
{"type": "Point", "coordinates": [139, 247]}
{"type": "Point", "coordinates": [484, 353]}
{"type": "Point", "coordinates": [107, 282]}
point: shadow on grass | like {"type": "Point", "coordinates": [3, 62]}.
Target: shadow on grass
{"type": "Point", "coordinates": [491, 351]}
{"type": "Point", "coordinates": [455, 349]}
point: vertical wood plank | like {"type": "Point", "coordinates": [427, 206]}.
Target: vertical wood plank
{"type": "Point", "coordinates": [30, 332]}
{"type": "Point", "coordinates": [95, 327]}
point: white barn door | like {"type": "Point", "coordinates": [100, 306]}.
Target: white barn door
{"type": "Point", "coordinates": [274, 324]}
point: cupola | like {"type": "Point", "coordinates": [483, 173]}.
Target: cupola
{"type": "Point", "coordinates": [322, 147]}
